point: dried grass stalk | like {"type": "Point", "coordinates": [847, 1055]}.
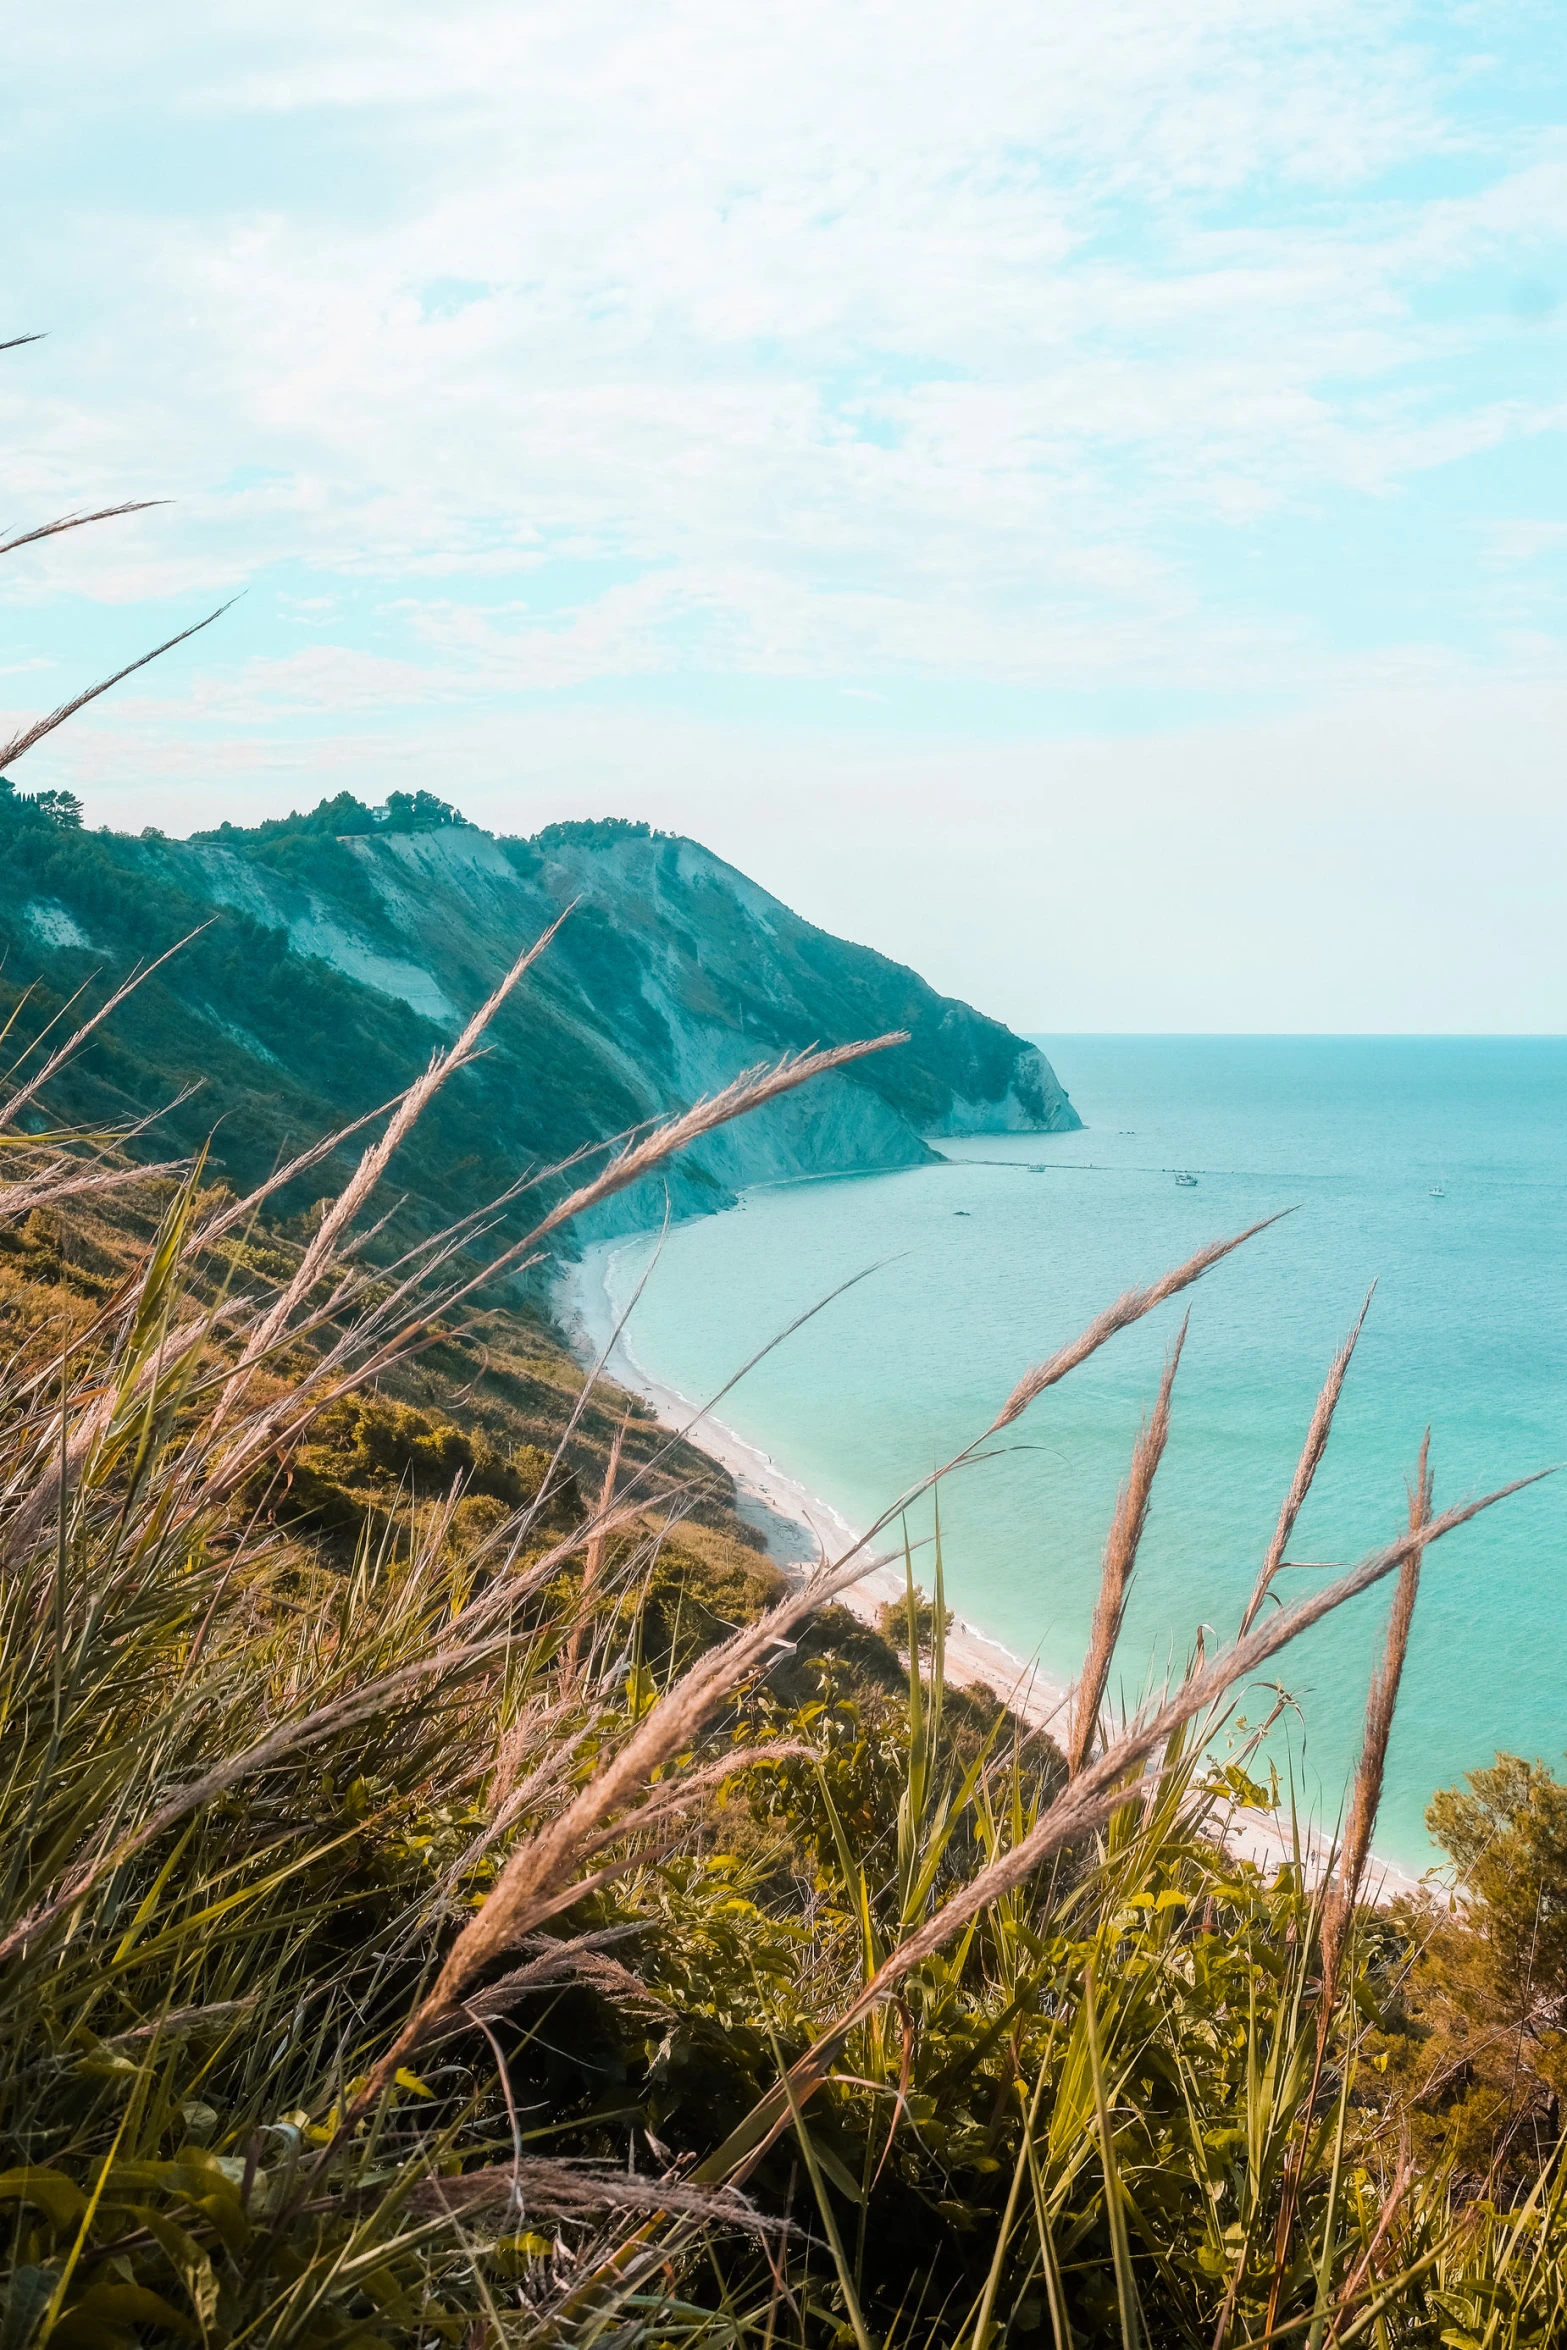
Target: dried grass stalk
{"type": "Point", "coordinates": [1126, 1310]}
{"type": "Point", "coordinates": [746, 1092]}
{"type": "Point", "coordinates": [372, 1167]}
{"type": "Point", "coordinates": [1338, 1908]}
{"type": "Point", "coordinates": [541, 1878]}
{"type": "Point", "coordinates": [1129, 1308]}
{"type": "Point", "coordinates": [593, 1561]}
{"type": "Point", "coordinates": [14, 1103]}
{"type": "Point", "coordinates": [19, 1199]}
{"type": "Point", "coordinates": [1120, 1560]}
{"type": "Point", "coordinates": [563, 2190]}
{"type": "Point", "coordinates": [241, 1210]}
{"type": "Point", "coordinates": [1306, 1467]}
{"type": "Point", "coordinates": [532, 1728]}
{"type": "Point", "coordinates": [12, 751]}
{"type": "Point", "coordinates": [358, 1359]}
{"type": "Point", "coordinates": [49, 530]}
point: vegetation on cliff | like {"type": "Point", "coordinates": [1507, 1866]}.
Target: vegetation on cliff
{"type": "Point", "coordinates": [332, 949]}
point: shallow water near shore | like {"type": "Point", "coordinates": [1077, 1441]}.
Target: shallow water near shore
{"type": "Point", "coordinates": [985, 1263]}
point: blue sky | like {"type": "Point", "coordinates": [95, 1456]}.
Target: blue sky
{"type": "Point", "coordinates": [1075, 498]}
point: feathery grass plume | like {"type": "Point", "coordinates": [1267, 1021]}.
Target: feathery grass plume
{"type": "Point", "coordinates": [49, 530]}
{"type": "Point", "coordinates": [356, 1359]}
{"type": "Point", "coordinates": [1120, 1560]}
{"type": "Point", "coordinates": [1381, 1704]}
{"type": "Point", "coordinates": [593, 1559]}
{"type": "Point", "coordinates": [539, 1879]}
{"type": "Point", "coordinates": [17, 1100]}
{"type": "Point", "coordinates": [1127, 1309]}
{"type": "Point", "coordinates": [10, 752]}
{"type": "Point", "coordinates": [19, 1199]}
{"type": "Point", "coordinates": [746, 1092]}
{"type": "Point", "coordinates": [561, 2190]}
{"type": "Point", "coordinates": [1306, 1467]}
{"type": "Point", "coordinates": [241, 1211]}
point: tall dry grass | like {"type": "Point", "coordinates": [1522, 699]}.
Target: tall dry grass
{"type": "Point", "coordinates": [1120, 1560]}
{"type": "Point", "coordinates": [180, 1679]}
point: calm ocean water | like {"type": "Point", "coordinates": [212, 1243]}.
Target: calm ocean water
{"type": "Point", "coordinates": [985, 1266]}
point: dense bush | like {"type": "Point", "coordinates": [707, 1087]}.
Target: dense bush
{"type": "Point", "coordinates": [62, 809]}
{"type": "Point", "coordinates": [910, 1624]}
{"type": "Point", "coordinates": [343, 815]}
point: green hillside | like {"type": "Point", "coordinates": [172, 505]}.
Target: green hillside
{"type": "Point", "coordinates": [337, 950]}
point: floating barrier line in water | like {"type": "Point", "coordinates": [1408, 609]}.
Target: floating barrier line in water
{"type": "Point", "coordinates": [1101, 1167]}
{"type": "Point", "coordinates": [1491, 1176]}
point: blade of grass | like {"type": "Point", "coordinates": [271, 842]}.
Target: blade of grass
{"type": "Point", "coordinates": [12, 751]}
{"type": "Point", "coordinates": [1119, 1565]}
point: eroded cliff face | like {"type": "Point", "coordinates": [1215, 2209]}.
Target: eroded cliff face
{"type": "Point", "coordinates": [671, 975]}
{"type": "Point", "coordinates": [675, 972]}
{"type": "Point", "coordinates": [716, 940]}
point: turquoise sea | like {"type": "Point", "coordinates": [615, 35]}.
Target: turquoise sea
{"type": "Point", "coordinates": [984, 1265]}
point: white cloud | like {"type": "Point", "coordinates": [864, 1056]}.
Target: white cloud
{"type": "Point", "coordinates": [856, 348]}
{"type": "Point", "coordinates": [689, 218]}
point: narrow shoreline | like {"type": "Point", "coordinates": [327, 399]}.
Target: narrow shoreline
{"type": "Point", "coordinates": [800, 1529]}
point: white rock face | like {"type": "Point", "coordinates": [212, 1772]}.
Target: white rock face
{"type": "Point", "coordinates": [317, 934]}
{"type": "Point", "coordinates": [1018, 1110]}
{"type": "Point", "coordinates": [48, 920]}
{"type": "Point", "coordinates": [315, 927]}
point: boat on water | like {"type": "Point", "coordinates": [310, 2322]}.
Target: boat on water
{"type": "Point", "coordinates": [1186, 1182]}
{"type": "Point", "coordinates": [1438, 1191]}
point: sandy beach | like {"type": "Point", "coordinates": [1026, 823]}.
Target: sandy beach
{"type": "Point", "coordinates": [801, 1530]}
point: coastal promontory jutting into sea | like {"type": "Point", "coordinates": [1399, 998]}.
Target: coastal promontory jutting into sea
{"type": "Point", "coordinates": [350, 940]}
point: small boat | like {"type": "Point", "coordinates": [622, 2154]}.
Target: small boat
{"type": "Point", "coordinates": [1438, 1191]}
{"type": "Point", "coordinates": [960, 1211]}
{"type": "Point", "coordinates": [1186, 1182]}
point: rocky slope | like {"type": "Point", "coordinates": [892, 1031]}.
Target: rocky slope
{"type": "Point", "coordinates": [345, 950]}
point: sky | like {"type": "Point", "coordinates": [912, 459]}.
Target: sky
{"type": "Point", "coordinates": [1074, 498]}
